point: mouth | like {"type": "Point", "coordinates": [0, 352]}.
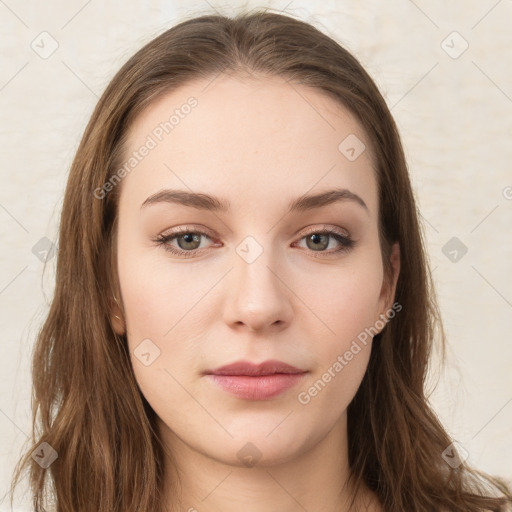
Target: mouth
{"type": "Point", "coordinates": [251, 381]}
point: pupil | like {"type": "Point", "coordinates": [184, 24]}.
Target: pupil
{"type": "Point", "coordinates": [316, 240]}
{"type": "Point", "coordinates": [187, 239]}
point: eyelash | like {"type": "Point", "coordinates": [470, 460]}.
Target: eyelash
{"type": "Point", "coordinates": [163, 240]}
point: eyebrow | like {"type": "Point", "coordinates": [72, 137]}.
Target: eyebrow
{"type": "Point", "coordinates": [207, 202]}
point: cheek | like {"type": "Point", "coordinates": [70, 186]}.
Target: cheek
{"type": "Point", "coordinates": [324, 399]}
{"type": "Point", "coordinates": [341, 356]}
{"type": "Point", "coordinates": [160, 320]}
{"type": "Point", "coordinates": [347, 304]}
{"type": "Point", "coordinates": [166, 323]}
{"type": "Point", "coordinates": [159, 298]}
{"type": "Point", "coordinates": [344, 300]}
{"type": "Point", "coordinates": [163, 334]}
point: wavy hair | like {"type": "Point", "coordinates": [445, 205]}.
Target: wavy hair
{"type": "Point", "coordinates": [86, 403]}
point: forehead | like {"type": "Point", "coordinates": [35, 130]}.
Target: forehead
{"type": "Point", "coordinates": [248, 138]}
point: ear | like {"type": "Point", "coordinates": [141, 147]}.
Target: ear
{"type": "Point", "coordinates": [117, 317]}
{"type": "Point", "coordinates": [387, 295]}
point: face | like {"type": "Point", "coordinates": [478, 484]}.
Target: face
{"type": "Point", "coordinates": [256, 271]}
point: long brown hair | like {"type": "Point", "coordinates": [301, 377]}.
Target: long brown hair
{"type": "Point", "coordinates": [86, 402]}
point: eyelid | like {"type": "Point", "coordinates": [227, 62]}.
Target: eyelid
{"type": "Point", "coordinates": [187, 228]}
{"type": "Point", "coordinates": [326, 227]}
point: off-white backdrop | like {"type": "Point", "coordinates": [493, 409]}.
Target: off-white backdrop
{"type": "Point", "coordinates": [445, 71]}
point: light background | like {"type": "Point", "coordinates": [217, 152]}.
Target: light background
{"type": "Point", "coordinates": [455, 117]}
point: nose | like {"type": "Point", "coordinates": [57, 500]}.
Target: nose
{"type": "Point", "coordinates": [257, 295]}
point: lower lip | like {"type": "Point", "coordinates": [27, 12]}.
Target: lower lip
{"type": "Point", "coordinates": [257, 388]}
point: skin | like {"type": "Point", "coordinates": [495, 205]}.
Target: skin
{"type": "Point", "coordinates": [257, 143]}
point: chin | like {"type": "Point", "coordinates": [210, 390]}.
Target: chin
{"type": "Point", "coordinates": [264, 447]}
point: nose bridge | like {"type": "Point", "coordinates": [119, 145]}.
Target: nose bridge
{"type": "Point", "coordinates": [253, 265]}
{"type": "Point", "coordinates": [257, 297]}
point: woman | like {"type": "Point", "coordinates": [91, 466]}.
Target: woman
{"type": "Point", "coordinates": [243, 312]}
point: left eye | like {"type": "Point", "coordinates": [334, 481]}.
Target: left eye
{"type": "Point", "coordinates": [318, 241]}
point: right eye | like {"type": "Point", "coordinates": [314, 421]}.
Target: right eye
{"type": "Point", "coordinates": [187, 241]}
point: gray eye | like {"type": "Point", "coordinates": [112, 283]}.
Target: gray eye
{"type": "Point", "coordinates": [190, 239]}
{"type": "Point", "coordinates": [317, 241]}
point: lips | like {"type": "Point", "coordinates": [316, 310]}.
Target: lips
{"type": "Point", "coordinates": [249, 369]}
{"type": "Point", "coordinates": [251, 381]}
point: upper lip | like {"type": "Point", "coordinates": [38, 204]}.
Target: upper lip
{"type": "Point", "coordinates": [251, 369]}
